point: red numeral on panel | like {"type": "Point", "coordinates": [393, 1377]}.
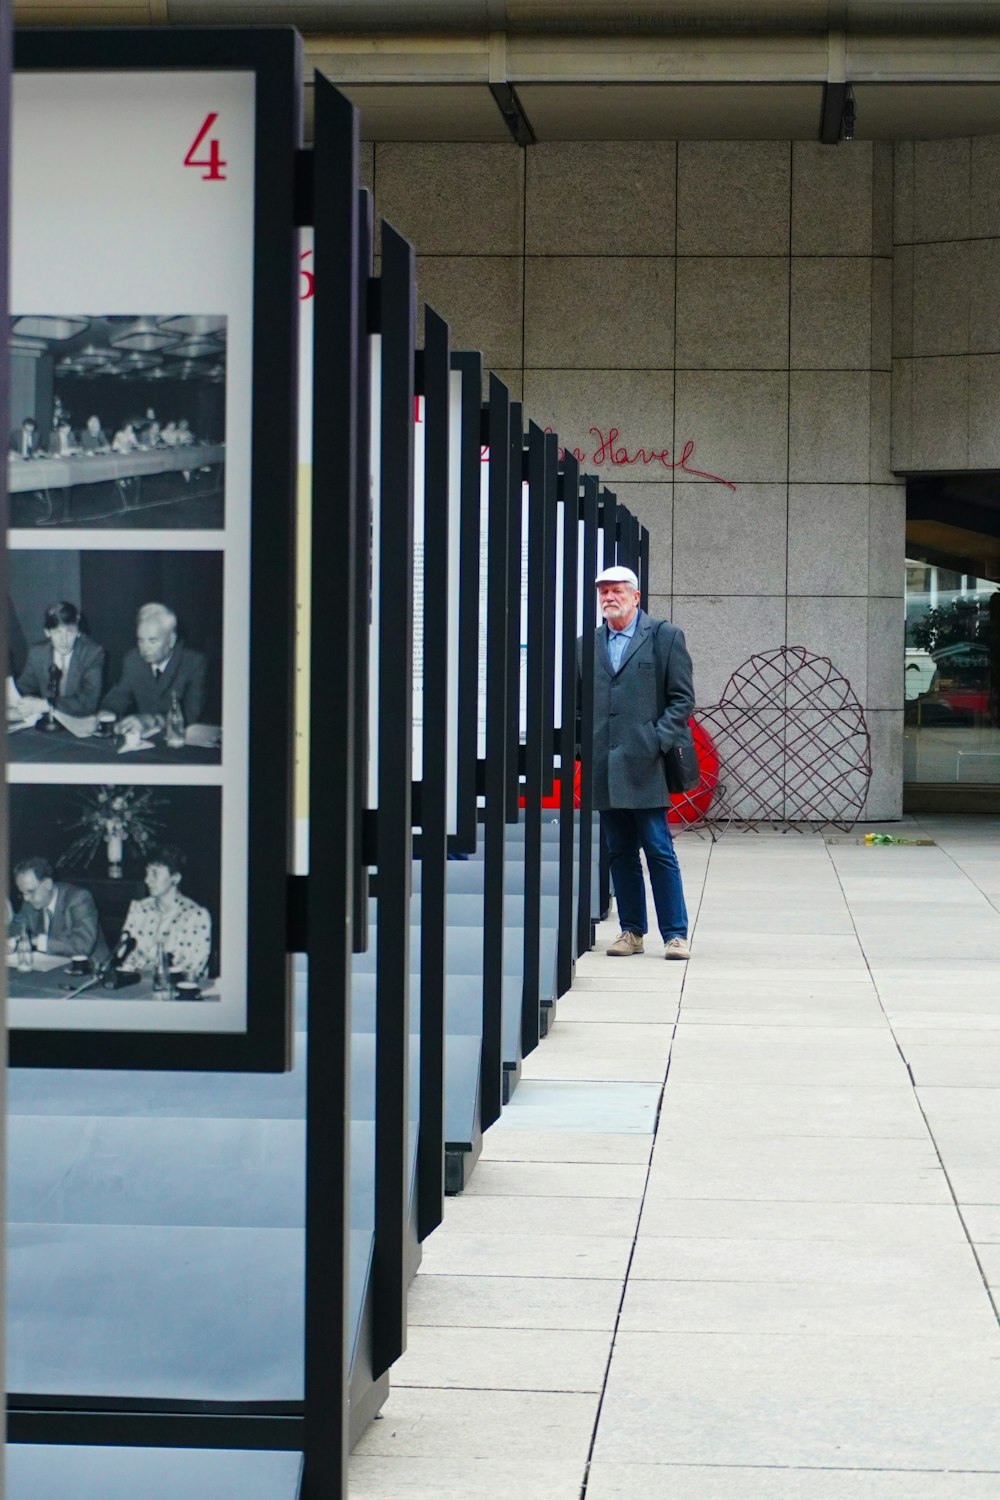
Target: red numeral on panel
{"type": "Point", "coordinates": [307, 277]}
{"type": "Point", "coordinates": [213, 161]}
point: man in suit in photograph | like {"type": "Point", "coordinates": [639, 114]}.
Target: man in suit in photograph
{"type": "Point", "coordinates": [26, 440]}
{"type": "Point", "coordinates": [58, 918]}
{"type": "Point", "coordinates": [160, 668]}
{"type": "Point", "coordinates": [78, 660]}
{"type": "Point", "coordinates": [93, 438]}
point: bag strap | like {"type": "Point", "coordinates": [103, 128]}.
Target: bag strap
{"type": "Point", "coordinates": [661, 668]}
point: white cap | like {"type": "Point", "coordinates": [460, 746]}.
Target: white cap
{"type": "Point", "coordinates": [617, 575]}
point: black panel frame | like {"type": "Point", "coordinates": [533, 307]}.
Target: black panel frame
{"type": "Point", "coordinates": [274, 56]}
{"type": "Point", "coordinates": [539, 588]}
{"type": "Point", "coordinates": [569, 496]}
{"type": "Point", "coordinates": [515, 541]}
{"type": "Point", "coordinates": [585, 713]}
{"type": "Point", "coordinates": [433, 842]}
{"type": "Point", "coordinates": [500, 419]}
{"type": "Point", "coordinates": [465, 569]}
{"type": "Point", "coordinates": [394, 822]}
{"type": "Point", "coordinates": [333, 839]}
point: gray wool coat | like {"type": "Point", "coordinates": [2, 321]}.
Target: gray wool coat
{"type": "Point", "coordinates": [639, 712]}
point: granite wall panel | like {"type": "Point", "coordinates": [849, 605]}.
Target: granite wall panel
{"type": "Point", "coordinates": [946, 305]}
{"type": "Point", "coordinates": [715, 342]}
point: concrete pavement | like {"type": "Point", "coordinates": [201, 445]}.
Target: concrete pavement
{"type": "Point", "coordinates": [738, 1233]}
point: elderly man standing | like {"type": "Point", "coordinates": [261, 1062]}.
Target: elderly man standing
{"type": "Point", "coordinates": [643, 698]}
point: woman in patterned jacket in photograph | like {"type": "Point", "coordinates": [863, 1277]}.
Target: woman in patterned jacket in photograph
{"type": "Point", "coordinates": [168, 919]}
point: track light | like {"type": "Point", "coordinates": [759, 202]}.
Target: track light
{"type": "Point", "coordinates": [849, 115]}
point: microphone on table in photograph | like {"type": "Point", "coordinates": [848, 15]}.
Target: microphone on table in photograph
{"type": "Point", "coordinates": [52, 693]}
{"type": "Point", "coordinates": [110, 974]}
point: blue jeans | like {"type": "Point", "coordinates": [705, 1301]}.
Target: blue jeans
{"type": "Point", "coordinates": [625, 832]}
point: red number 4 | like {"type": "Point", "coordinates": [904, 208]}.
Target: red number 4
{"type": "Point", "coordinates": [213, 161]}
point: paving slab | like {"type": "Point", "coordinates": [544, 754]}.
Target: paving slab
{"type": "Point", "coordinates": [947, 1036]}
{"type": "Point", "coordinates": [680, 1180]}
{"type": "Point", "coordinates": [989, 1259]}
{"type": "Point", "coordinates": [866, 1309]}
{"type": "Point", "coordinates": [503, 1144]}
{"type": "Point", "coordinates": [844, 1014]}
{"type": "Point", "coordinates": [976, 1065]}
{"type": "Point", "coordinates": [592, 1256]}
{"type": "Point", "coordinates": [982, 1220]}
{"type": "Point", "coordinates": [768, 919]}
{"type": "Point", "coordinates": [794, 1400]}
{"type": "Point", "coordinates": [770, 1054]}
{"type": "Point", "coordinates": [504, 1359]}
{"type": "Point", "coordinates": [776, 1154]}
{"type": "Point", "coordinates": [629, 1054]}
{"type": "Point", "coordinates": [512, 1302]}
{"type": "Point", "coordinates": [942, 1268]}
{"type": "Point", "coordinates": [568, 1105]}
{"type": "Point", "coordinates": [864, 1223]}
{"type": "Point", "coordinates": [505, 1426]}
{"type": "Point", "coordinates": [754, 1109]}
{"type": "Point", "coordinates": [446, 1477]}
{"type": "Point", "coordinates": [618, 1007]}
{"type": "Point", "coordinates": [533, 1214]}
{"type": "Point", "coordinates": [661, 979]}
{"type": "Point", "coordinates": [628, 1481]}
{"type": "Point", "coordinates": [556, 1179]}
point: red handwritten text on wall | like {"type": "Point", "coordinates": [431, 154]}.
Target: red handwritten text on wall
{"type": "Point", "coordinates": [611, 451]}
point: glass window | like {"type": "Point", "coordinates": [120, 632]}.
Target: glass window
{"type": "Point", "coordinates": [951, 676]}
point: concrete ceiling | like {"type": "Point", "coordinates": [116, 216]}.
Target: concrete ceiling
{"type": "Point", "coordinates": [610, 70]}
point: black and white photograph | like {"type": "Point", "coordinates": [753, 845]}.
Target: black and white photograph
{"type": "Point", "coordinates": [114, 655]}
{"type": "Point", "coordinates": [117, 421]}
{"type": "Point", "coordinates": [114, 892]}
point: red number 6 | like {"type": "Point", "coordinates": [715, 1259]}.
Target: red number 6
{"type": "Point", "coordinates": [308, 277]}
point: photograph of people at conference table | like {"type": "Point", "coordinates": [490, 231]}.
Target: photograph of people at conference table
{"type": "Point", "coordinates": [117, 421]}
{"type": "Point", "coordinates": [114, 655]}
{"type": "Point", "coordinates": [114, 892]}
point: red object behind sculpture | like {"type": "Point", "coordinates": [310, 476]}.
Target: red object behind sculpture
{"type": "Point", "coordinates": [685, 807]}
{"type": "Point", "coordinates": [692, 807]}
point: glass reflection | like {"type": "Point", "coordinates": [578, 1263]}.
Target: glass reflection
{"type": "Point", "coordinates": [951, 677]}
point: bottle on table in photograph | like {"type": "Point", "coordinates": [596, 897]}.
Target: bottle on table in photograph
{"type": "Point", "coordinates": [25, 955]}
{"type": "Point", "coordinates": [161, 975]}
{"type": "Point", "coordinates": [174, 728]}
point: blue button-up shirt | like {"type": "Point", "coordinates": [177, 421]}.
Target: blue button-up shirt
{"type": "Point", "coordinates": [618, 642]}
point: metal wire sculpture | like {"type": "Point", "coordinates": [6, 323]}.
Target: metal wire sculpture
{"type": "Point", "coordinates": [792, 744]}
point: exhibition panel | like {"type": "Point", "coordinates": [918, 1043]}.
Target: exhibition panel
{"type": "Point", "coordinates": [151, 725]}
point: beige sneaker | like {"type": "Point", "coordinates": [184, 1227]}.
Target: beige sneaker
{"type": "Point", "coordinates": [677, 948]}
{"type": "Point", "coordinates": [624, 944]}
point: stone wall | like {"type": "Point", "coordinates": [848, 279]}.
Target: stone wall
{"type": "Point", "coordinates": [727, 301]}
{"type": "Point", "coordinates": [946, 305]}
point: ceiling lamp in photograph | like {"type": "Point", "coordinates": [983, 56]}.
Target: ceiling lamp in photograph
{"type": "Point", "coordinates": [145, 336]}
{"type": "Point", "coordinates": [134, 364]}
{"type": "Point", "coordinates": [93, 357]}
{"type": "Point", "coordinates": [196, 325]}
{"type": "Point", "coordinates": [43, 327]}
{"type": "Point", "coordinates": [196, 349]}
